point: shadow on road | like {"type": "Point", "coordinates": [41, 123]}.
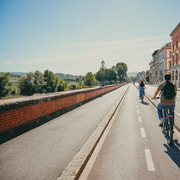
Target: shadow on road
{"type": "Point", "coordinates": [174, 152]}
{"type": "Point", "coordinates": [145, 103]}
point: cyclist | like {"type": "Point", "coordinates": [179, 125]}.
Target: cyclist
{"type": "Point", "coordinates": [164, 102]}
{"type": "Point", "coordinates": [141, 89]}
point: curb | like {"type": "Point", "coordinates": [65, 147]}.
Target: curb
{"type": "Point", "coordinates": [74, 169]}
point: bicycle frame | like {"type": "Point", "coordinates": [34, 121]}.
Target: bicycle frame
{"type": "Point", "coordinates": [168, 124]}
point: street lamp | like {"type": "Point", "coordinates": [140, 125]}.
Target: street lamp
{"type": "Point", "coordinates": [102, 67]}
{"type": "Point", "coordinates": [102, 64]}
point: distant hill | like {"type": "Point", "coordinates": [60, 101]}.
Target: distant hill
{"type": "Point", "coordinates": [17, 73]}
{"type": "Point", "coordinates": [132, 74]}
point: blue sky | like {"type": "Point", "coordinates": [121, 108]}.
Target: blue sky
{"type": "Point", "coordinates": [74, 36]}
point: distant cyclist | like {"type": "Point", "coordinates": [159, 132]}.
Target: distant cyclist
{"type": "Point", "coordinates": [167, 92]}
{"type": "Point", "coordinates": [141, 89]}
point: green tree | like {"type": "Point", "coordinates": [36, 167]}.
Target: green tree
{"type": "Point", "coordinates": [90, 79]}
{"type": "Point", "coordinates": [15, 88]}
{"type": "Point", "coordinates": [110, 75]}
{"type": "Point", "coordinates": [5, 84]}
{"type": "Point", "coordinates": [32, 83]}
{"type": "Point", "coordinates": [80, 84]}
{"type": "Point", "coordinates": [99, 75]}
{"type": "Point", "coordinates": [26, 84]}
{"type": "Point", "coordinates": [121, 68]}
{"type": "Point", "coordinates": [63, 85]}
{"type": "Point", "coordinates": [52, 82]}
{"type": "Point", "coordinates": [38, 82]}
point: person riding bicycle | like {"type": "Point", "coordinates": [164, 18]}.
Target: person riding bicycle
{"type": "Point", "coordinates": [141, 89]}
{"type": "Point", "coordinates": [167, 97]}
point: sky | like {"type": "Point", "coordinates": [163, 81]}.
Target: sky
{"type": "Point", "coordinates": [74, 36]}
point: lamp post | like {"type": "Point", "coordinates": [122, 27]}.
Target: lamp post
{"type": "Point", "coordinates": [102, 67]}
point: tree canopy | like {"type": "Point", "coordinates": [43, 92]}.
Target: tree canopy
{"type": "Point", "coordinates": [5, 85]}
{"type": "Point", "coordinates": [47, 82]}
{"type": "Point", "coordinates": [90, 79]}
{"type": "Point", "coordinates": [121, 68]}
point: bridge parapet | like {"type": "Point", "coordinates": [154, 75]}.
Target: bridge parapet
{"type": "Point", "coordinates": [21, 114]}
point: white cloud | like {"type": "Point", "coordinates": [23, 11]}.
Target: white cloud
{"type": "Point", "coordinates": [79, 58]}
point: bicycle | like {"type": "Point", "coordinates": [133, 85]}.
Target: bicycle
{"type": "Point", "coordinates": [168, 125]}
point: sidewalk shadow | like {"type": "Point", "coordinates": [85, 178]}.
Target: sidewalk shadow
{"type": "Point", "coordinates": [174, 152]}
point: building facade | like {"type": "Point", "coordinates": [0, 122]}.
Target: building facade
{"type": "Point", "coordinates": [164, 61]}
{"type": "Point", "coordinates": [175, 55]}
{"type": "Point", "coordinates": [68, 77]}
{"type": "Point", "coordinates": [155, 67]}
{"type": "Point", "coordinates": [167, 60]}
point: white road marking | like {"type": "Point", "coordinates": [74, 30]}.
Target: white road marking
{"type": "Point", "coordinates": [138, 112]}
{"type": "Point", "coordinates": [143, 133]}
{"type": "Point", "coordinates": [140, 119]}
{"type": "Point", "coordinates": [149, 161]}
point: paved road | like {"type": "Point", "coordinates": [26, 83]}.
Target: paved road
{"type": "Point", "coordinates": [135, 147]}
{"type": "Point", "coordinates": [132, 142]}
{"type": "Point", "coordinates": [43, 153]}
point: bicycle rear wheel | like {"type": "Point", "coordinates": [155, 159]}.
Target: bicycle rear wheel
{"type": "Point", "coordinates": [168, 127]}
{"type": "Point", "coordinates": [169, 136]}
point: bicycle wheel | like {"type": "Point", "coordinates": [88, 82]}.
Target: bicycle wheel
{"type": "Point", "coordinates": [168, 126]}
{"type": "Point", "coordinates": [165, 129]}
{"type": "Point", "coordinates": [170, 132]}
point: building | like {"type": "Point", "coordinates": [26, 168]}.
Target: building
{"type": "Point", "coordinates": [164, 61]}
{"type": "Point", "coordinates": [69, 77]}
{"type": "Point", "coordinates": [160, 64]}
{"type": "Point", "coordinates": [14, 77]}
{"type": "Point", "coordinates": [155, 67]}
{"type": "Point", "coordinates": [175, 55]}
{"type": "Point", "coordinates": [141, 76]}
{"type": "Point", "coordinates": [167, 60]}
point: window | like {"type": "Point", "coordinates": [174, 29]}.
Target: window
{"type": "Point", "coordinates": [170, 54]}
{"type": "Point", "coordinates": [170, 64]}
{"type": "Point", "coordinates": [173, 75]}
{"type": "Point", "coordinates": [176, 43]}
{"type": "Point", "coordinates": [176, 75]}
{"type": "Point", "coordinates": [176, 59]}
{"type": "Point", "coordinates": [172, 60]}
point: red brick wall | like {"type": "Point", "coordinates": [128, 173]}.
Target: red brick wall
{"type": "Point", "coordinates": [14, 115]}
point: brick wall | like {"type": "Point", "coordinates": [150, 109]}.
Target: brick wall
{"type": "Point", "coordinates": [41, 108]}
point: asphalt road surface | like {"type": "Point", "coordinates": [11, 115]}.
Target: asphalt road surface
{"type": "Point", "coordinates": [135, 148]}
{"type": "Point", "coordinates": [43, 153]}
